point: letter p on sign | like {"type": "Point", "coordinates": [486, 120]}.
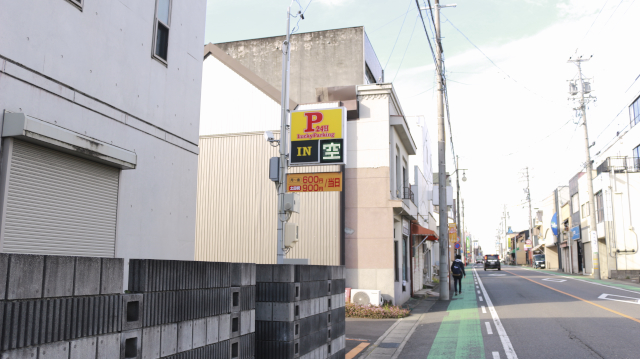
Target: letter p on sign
{"type": "Point", "coordinates": [312, 118]}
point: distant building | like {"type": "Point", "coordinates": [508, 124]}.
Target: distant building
{"type": "Point", "coordinates": [100, 112]}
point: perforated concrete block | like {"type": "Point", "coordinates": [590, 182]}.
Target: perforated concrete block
{"type": "Point", "coordinates": [199, 333]}
{"type": "Point", "coordinates": [25, 276]}
{"type": "Point", "coordinates": [84, 348]}
{"type": "Point", "coordinates": [109, 346]}
{"type": "Point", "coordinates": [132, 309]}
{"type": "Point", "coordinates": [213, 324]}
{"type": "Point", "coordinates": [185, 336]}
{"type": "Point", "coordinates": [151, 342]}
{"type": "Point", "coordinates": [87, 276]}
{"type": "Point", "coordinates": [168, 339]}
{"type": "Point", "coordinates": [57, 350]}
{"type": "Point", "coordinates": [131, 344]}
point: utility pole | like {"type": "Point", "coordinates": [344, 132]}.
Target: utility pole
{"type": "Point", "coordinates": [593, 235]}
{"type": "Point", "coordinates": [505, 216]}
{"type": "Point", "coordinates": [464, 234]}
{"type": "Point", "coordinates": [442, 167]}
{"type": "Point", "coordinates": [458, 223]}
{"type": "Point", "coordinates": [530, 225]}
{"type": "Point", "coordinates": [284, 105]}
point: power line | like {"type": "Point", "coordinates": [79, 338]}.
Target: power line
{"type": "Point", "coordinates": [398, 37]}
{"type": "Point", "coordinates": [594, 21]}
{"type": "Point", "coordinates": [494, 64]}
{"type": "Point", "coordinates": [392, 21]}
{"type": "Point", "coordinates": [405, 50]}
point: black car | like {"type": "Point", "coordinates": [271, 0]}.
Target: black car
{"type": "Point", "coordinates": [492, 261]}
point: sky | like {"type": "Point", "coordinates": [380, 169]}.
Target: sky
{"type": "Point", "coordinates": [507, 71]}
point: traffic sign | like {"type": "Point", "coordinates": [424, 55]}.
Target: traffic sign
{"type": "Point", "coordinates": [457, 246]}
{"type": "Point", "coordinates": [318, 137]}
{"type": "Point", "coordinates": [314, 182]}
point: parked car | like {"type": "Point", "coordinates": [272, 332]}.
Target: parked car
{"type": "Point", "coordinates": [539, 261]}
{"type": "Point", "coordinates": [492, 261]}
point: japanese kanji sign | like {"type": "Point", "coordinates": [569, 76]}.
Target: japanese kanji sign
{"type": "Point", "coordinates": [314, 182]}
{"type": "Point", "coordinates": [318, 137]}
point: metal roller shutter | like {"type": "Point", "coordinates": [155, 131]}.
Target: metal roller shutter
{"type": "Point", "coordinates": [59, 204]}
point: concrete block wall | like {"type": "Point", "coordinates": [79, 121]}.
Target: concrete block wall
{"type": "Point", "coordinates": [57, 304]}
{"type": "Point", "coordinates": [195, 309]}
{"type": "Point", "coordinates": [300, 311]}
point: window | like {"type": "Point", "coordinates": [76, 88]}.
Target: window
{"type": "Point", "coordinates": [599, 207]}
{"type": "Point", "coordinates": [634, 112]}
{"type": "Point", "coordinates": [77, 3]}
{"type": "Point", "coordinates": [404, 259]}
{"type": "Point", "coordinates": [636, 157]}
{"type": "Point", "coordinates": [575, 204]}
{"type": "Point", "coordinates": [161, 30]}
{"type": "Point", "coordinates": [395, 261]}
{"type": "Point", "coordinates": [585, 210]}
{"type": "Point", "coordinates": [369, 75]}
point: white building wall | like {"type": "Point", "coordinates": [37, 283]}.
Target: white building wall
{"type": "Point", "coordinates": [369, 136]}
{"type": "Point", "coordinates": [230, 104]}
{"type": "Point", "coordinates": [92, 72]}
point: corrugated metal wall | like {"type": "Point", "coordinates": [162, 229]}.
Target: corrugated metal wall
{"type": "Point", "coordinates": [236, 215]}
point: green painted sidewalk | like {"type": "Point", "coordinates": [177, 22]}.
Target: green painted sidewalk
{"type": "Point", "coordinates": [460, 334]}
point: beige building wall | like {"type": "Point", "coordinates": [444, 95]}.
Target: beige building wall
{"type": "Point", "coordinates": [236, 211]}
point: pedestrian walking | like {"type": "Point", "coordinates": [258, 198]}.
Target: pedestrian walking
{"type": "Point", "coordinates": [457, 269]}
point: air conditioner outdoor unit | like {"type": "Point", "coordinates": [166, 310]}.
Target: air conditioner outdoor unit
{"type": "Point", "coordinates": [366, 297]}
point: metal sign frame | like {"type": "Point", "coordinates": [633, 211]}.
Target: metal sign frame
{"type": "Point", "coordinates": [318, 149]}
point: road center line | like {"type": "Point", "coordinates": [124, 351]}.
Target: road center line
{"type": "Point", "coordinates": [504, 338]}
{"type": "Point", "coordinates": [584, 300]}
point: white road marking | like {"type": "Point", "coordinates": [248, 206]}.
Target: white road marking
{"type": "Point", "coordinates": [586, 281]}
{"type": "Point", "coordinates": [619, 298]}
{"type": "Point", "coordinates": [554, 280]}
{"type": "Point", "coordinates": [484, 310]}
{"type": "Point", "coordinates": [480, 299]}
{"type": "Point", "coordinates": [504, 338]}
{"type": "Point", "coordinates": [477, 286]}
{"type": "Point", "coordinates": [497, 275]}
{"type": "Point", "coordinates": [488, 325]}
{"type": "Point", "coordinates": [496, 355]}
{"type": "Point", "coordinates": [479, 292]}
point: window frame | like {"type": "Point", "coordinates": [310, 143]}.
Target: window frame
{"type": "Point", "coordinates": [634, 112]}
{"type": "Point", "coordinates": [599, 207]}
{"type": "Point", "coordinates": [396, 261]}
{"type": "Point", "coordinates": [585, 210]}
{"type": "Point", "coordinates": [79, 4]}
{"type": "Point", "coordinates": [155, 33]}
{"type": "Point", "coordinates": [636, 157]}
{"type": "Point", "coordinates": [575, 203]}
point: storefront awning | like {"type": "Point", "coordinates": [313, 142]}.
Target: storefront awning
{"type": "Point", "coordinates": [539, 246]}
{"type": "Point", "coordinates": [418, 230]}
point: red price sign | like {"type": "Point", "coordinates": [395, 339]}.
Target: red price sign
{"type": "Point", "coordinates": [314, 182]}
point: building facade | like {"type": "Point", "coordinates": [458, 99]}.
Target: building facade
{"type": "Point", "coordinates": [100, 127]}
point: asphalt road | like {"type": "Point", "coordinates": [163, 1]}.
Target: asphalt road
{"type": "Point", "coordinates": [522, 313]}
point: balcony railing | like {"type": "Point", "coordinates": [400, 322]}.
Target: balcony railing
{"type": "Point", "coordinates": [407, 193]}
{"type": "Point", "coordinates": [620, 164]}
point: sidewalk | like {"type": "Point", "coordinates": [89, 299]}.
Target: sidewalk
{"type": "Point", "coordinates": [391, 343]}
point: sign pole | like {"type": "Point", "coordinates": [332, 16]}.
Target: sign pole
{"type": "Point", "coordinates": [284, 104]}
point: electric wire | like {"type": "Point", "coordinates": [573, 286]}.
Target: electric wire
{"type": "Point", "coordinates": [590, 27]}
{"type": "Point", "coordinates": [405, 50]}
{"type": "Point", "coordinates": [496, 65]}
{"type": "Point", "coordinates": [398, 37]}
{"type": "Point", "coordinates": [392, 21]}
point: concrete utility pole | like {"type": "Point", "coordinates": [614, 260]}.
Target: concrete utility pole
{"type": "Point", "coordinates": [442, 167]}
{"type": "Point", "coordinates": [284, 105]}
{"type": "Point", "coordinates": [530, 219]}
{"type": "Point", "coordinates": [593, 235]}
{"type": "Point", "coordinates": [505, 216]}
